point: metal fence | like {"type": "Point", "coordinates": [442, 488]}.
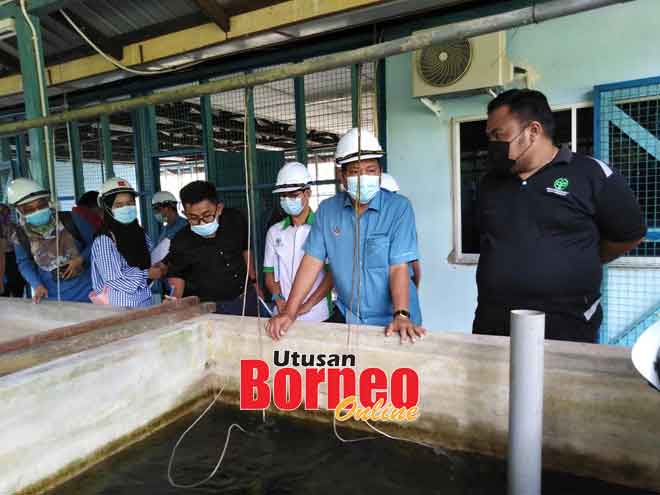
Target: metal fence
{"type": "Point", "coordinates": [627, 117]}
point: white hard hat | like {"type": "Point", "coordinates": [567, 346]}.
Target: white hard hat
{"type": "Point", "coordinates": [113, 186]}
{"type": "Point", "coordinates": [347, 147]}
{"type": "Point", "coordinates": [21, 191]}
{"type": "Point", "coordinates": [646, 355]}
{"type": "Point", "coordinates": [162, 198]}
{"type": "Point", "coordinates": [388, 183]}
{"type": "Point", "coordinates": [293, 176]}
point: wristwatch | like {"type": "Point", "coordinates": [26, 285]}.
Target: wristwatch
{"type": "Point", "coordinates": [402, 312]}
{"type": "Point", "coordinates": [277, 297]}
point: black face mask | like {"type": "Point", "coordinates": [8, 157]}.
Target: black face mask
{"type": "Point", "coordinates": [498, 156]}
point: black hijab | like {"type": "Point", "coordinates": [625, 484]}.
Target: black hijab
{"type": "Point", "coordinates": [130, 238]}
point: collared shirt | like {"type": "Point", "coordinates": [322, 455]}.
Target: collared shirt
{"type": "Point", "coordinates": [284, 252]}
{"type": "Point", "coordinates": [540, 237]}
{"type": "Point", "coordinates": [127, 286]}
{"type": "Point", "coordinates": [213, 268]}
{"type": "Point", "coordinates": [171, 229]}
{"type": "Point", "coordinates": [387, 237]}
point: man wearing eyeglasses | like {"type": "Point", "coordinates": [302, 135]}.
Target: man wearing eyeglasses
{"type": "Point", "coordinates": [210, 257]}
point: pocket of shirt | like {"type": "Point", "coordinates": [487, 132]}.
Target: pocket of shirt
{"type": "Point", "coordinates": [377, 252]}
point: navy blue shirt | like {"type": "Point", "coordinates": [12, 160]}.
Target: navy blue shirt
{"type": "Point", "coordinates": [387, 237]}
{"type": "Point", "coordinates": [540, 237]}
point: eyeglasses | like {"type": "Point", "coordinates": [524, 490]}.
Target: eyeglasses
{"type": "Point", "coordinates": [195, 220]}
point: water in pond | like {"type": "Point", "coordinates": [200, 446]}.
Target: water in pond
{"type": "Point", "coordinates": [288, 456]}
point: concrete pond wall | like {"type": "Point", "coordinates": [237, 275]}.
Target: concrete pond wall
{"type": "Point", "coordinates": [60, 417]}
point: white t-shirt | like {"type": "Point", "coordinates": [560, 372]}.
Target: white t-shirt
{"type": "Point", "coordinates": [284, 252]}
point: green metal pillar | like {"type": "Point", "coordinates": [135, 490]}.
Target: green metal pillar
{"type": "Point", "coordinates": [143, 125]}
{"type": "Point", "coordinates": [76, 159]}
{"type": "Point", "coordinates": [301, 119]}
{"type": "Point", "coordinates": [152, 135]}
{"type": "Point", "coordinates": [6, 168]}
{"type": "Point", "coordinates": [21, 157]}
{"type": "Point", "coordinates": [106, 137]}
{"type": "Point", "coordinates": [15, 167]}
{"type": "Point", "coordinates": [32, 70]}
{"type": "Point", "coordinates": [255, 215]}
{"type": "Point", "coordinates": [207, 139]}
{"type": "Point", "coordinates": [355, 93]}
{"type": "Point", "coordinates": [381, 109]}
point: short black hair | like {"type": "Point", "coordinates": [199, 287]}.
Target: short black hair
{"type": "Point", "coordinates": [197, 191]}
{"type": "Point", "coordinates": [528, 105]}
{"type": "Point", "coordinates": [89, 199]}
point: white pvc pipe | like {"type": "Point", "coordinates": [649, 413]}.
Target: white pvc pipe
{"type": "Point", "coordinates": [526, 402]}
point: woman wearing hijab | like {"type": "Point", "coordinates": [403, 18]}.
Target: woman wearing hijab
{"type": "Point", "coordinates": [121, 263]}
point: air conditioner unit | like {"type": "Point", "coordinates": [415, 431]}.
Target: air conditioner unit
{"type": "Point", "coordinates": [462, 66]}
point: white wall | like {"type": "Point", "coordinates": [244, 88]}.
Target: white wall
{"type": "Point", "coordinates": [570, 55]}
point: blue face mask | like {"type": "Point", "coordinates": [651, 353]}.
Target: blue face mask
{"type": "Point", "coordinates": [39, 217]}
{"type": "Point", "coordinates": [205, 229]}
{"type": "Point", "coordinates": [125, 214]}
{"type": "Point", "coordinates": [292, 206]}
{"type": "Point", "coordinates": [160, 218]}
{"type": "Point", "coordinates": [369, 186]}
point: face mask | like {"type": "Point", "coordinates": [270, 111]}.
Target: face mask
{"type": "Point", "coordinates": [160, 218]}
{"type": "Point", "coordinates": [498, 156]}
{"type": "Point", "coordinates": [292, 206]}
{"type": "Point", "coordinates": [369, 186]}
{"type": "Point", "coordinates": [39, 217]}
{"type": "Point", "coordinates": [205, 229]}
{"type": "Point", "coordinates": [125, 214]}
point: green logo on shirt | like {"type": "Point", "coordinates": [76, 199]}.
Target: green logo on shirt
{"type": "Point", "coordinates": [561, 184]}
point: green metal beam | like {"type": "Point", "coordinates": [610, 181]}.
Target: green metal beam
{"type": "Point", "coordinates": [76, 159]}
{"type": "Point", "coordinates": [106, 137]}
{"type": "Point", "coordinates": [301, 119]}
{"type": "Point", "coordinates": [255, 215]}
{"type": "Point", "coordinates": [207, 139]}
{"type": "Point", "coordinates": [355, 93]}
{"type": "Point", "coordinates": [32, 64]}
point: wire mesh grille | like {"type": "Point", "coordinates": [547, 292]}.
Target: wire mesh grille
{"type": "Point", "coordinates": [629, 132]}
{"type": "Point", "coordinates": [179, 124]}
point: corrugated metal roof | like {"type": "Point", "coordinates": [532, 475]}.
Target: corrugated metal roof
{"type": "Point", "coordinates": [117, 17]}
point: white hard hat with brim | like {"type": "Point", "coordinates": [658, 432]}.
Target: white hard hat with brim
{"type": "Point", "coordinates": [645, 355]}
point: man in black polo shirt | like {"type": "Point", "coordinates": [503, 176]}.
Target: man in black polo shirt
{"type": "Point", "coordinates": [549, 219]}
{"type": "Point", "coordinates": [210, 257]}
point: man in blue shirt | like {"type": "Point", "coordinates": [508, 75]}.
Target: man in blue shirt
{"type": "Point", "coordinates": [47, 249]}
{"type": "Point", "coordinates": [371, 276]}
{"type": "Point", "coordinates": [164, 206]}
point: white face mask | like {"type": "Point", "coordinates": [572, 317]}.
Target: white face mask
{"type": "Point", "coordinates": [292, 206]}
{"type": "Point", "coordinates": [369, 186]}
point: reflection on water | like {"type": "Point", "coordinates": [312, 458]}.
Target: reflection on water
{"type": "Point", "coordinates": [286, 456]}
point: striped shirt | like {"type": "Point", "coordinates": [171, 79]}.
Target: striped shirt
{"type": "Point", "coordinates": [127, 285]}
